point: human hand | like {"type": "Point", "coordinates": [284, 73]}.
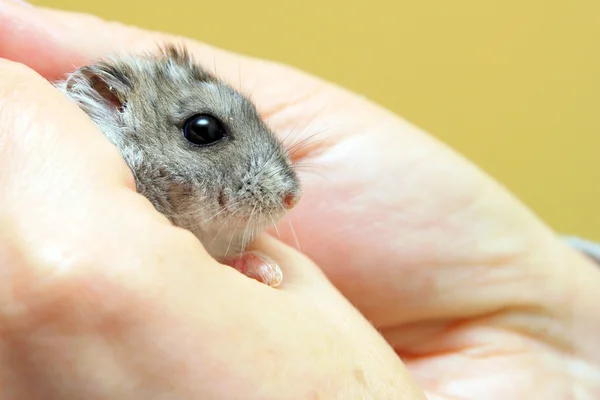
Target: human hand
{"type": "Point", "coordinates": [102, 298]}
{"type": "Point", "coordinates": [465, 283]}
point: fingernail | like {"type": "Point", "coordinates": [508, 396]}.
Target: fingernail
{"type": "Point", "coordinates": [260, 267]}
{"type": "Point", "coordinates": [270, 275]}
{"type": "Point", "coordinates": [269, 270]}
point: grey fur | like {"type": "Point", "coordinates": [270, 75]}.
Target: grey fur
{"type": "Point", "coordinates": [141, 103]}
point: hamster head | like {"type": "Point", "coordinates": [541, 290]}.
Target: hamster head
{"type": "Point", "coordinates": [198, 149]}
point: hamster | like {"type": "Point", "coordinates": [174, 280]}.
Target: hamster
{"type": "Point", "coordinates": [197, 148]}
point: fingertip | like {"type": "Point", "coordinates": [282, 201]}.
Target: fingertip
{"type": "Point", "coordinates": [298, 270]}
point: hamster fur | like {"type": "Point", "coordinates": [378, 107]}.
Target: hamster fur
{"type": "Point", "coordinates": [224, 192]}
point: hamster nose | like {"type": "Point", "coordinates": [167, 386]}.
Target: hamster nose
{"type": "Point", "coordinates": [290, 200]}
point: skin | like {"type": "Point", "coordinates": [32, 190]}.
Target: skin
{"type": "Point", "coordinates": [103, 298]}
{"type": "Point", "coordinates": [475, 293]}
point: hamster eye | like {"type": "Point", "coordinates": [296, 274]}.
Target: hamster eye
{"type": "Point", "coordinates": [203, 129]}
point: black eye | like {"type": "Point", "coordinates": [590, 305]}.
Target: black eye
{"type": "Point", "coordinates": [203, 129]}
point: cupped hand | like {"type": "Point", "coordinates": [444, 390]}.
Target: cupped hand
{"type": "Point", "coordinates": [478, 296]}
{"type": "Point", "coordinates": [102, 298]}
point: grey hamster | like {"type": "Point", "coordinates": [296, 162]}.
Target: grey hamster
{"type": "Point", "coordinates": [198, 149]}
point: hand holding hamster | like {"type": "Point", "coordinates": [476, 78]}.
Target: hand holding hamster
{"type": "Point", "coordinates": [477, 295]}
{"type": "Point", "coordinates": [102, 298]}
{"type": "Point", "coordinates": [197, 148]}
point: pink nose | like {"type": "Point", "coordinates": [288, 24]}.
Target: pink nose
{"type": "Point", "coordinates": [290, 200]}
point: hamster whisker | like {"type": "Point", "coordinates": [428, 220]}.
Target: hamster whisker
{"type": "Point", "coordinates": [223, 225]}
{"type": "Point", "coordinates": [301, 143]}
{"type": "Point", "coordinates": [311, 169]}
{"type": "Point", "coordinates": [317, 133]}
{"type": "Point", "coordinates": [296, 241]}
{"type": "Point", "coordinates": [254, 229]}
{"type": "Point", "coordinates": [306, 121]}
{"type": "Point", "coordinates": [248, 227]}
{"type": "Point", "coordinates": [283, 141]}
{"type": "Point", "coordinates": [307, 142]}
{"type": "Point", "coordinates": [258, 228]}
{"type": "Point", "coordinates": [275, 172]}
{"type": "Point", "coordinates": [305, 164]}
{"type": "Point", "coordinates": [193, 214]}
{"type": "Point", "coordinates": [275, 225]}
{"type": "Point", "coordinates": [221, 212]}
{"type": "Point", "coordinates": [234, 207]}
{"type": "Point", "coordinates": [232, 236]}
{"type": "Point", "coordinates": [292, 230]}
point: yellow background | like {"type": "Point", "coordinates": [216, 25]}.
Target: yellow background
{"type": "Point", "coordinates": [512, 84]}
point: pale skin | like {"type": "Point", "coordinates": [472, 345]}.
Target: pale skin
{"type": "Point", "coordinates": [475, 293]}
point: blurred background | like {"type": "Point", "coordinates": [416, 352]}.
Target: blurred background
{"type": "Point", "coordinates": [514, 85]}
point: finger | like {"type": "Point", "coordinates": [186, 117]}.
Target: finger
{"type": "Point", "coordinates": [299, 272]}
{"type": "Point", "coordinates": [54, 43]}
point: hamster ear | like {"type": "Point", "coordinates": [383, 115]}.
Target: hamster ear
{"type": "Point", "coordinates": [107, 81]}
{"type": "Point", "coordinates": [179, 55]}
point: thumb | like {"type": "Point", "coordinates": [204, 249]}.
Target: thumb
{"type": "Point", "coordinates": [299, 272]}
